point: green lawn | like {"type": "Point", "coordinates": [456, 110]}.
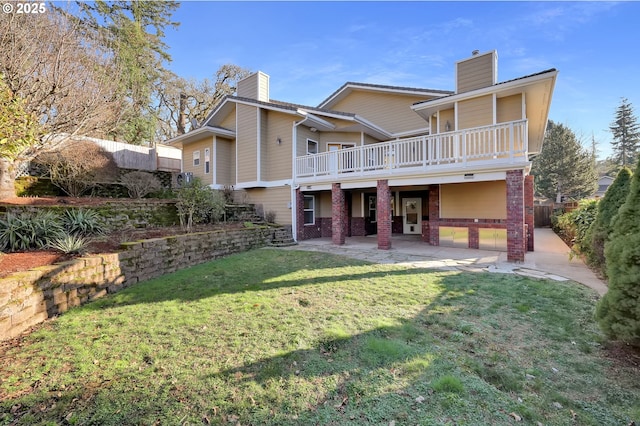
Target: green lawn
{"type": "Point", "coordinates": [291, 337]}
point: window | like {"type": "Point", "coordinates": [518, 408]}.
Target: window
{"type": "Point", "coordinates": [312, 147]}
{"type": "Point", "coordinates": [196, 158]}
{"type": "Point", "coordinates": [372, 208]}
{"type": "Point", "coordinates": [309, 213]}
{"type": "Point", "coordinates": [207, 160]}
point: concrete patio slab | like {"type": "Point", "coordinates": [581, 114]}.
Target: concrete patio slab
{"type": "Point", "coordinates": [550, 260]}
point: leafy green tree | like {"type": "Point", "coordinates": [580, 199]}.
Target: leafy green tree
{"type": "Point", "coordinates": [134, 32]}
{"type": "Point", "coordinates": [618, 312]}
{"type": "Point", "coordinates": [197, 203]}
{"type": "Point", "coordinates": [626, 134]}
{"type": "Point", "coordinates": [607, 209]}
{"type": "Point", "coordinates": [564, 167]}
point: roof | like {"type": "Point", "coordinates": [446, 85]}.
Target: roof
{"type": "Point", "coordinates": [492, 86]}
{"type": "Point", "coordinates": [346, 88]}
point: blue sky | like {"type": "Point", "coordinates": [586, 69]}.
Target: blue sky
{"type": "Point", "coordinates": [310, 49]}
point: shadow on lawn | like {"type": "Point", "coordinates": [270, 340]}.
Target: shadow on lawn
{"type": "Point", "coordinates": [362, 366]}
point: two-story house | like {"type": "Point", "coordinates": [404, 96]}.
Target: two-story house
{"type": "Point", "coordinates": [452, 167]}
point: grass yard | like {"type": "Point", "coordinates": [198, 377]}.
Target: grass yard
{"type": "Point", "coordinates": [293, 337]}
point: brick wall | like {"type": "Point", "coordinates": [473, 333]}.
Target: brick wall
{"type": "Point", "coordinates": [28, 298]}
{"type": "Point", "coordinates": [338, 216]}
{"type": "Point", "coordinates": [516, 237]}
{"type": "Point", "coordinates": [434, 215]}
{"type": "Point", "coordinates": [529, 213]}
{"type": "Point", "coordinates": [358, 228]}
{"type": "Point", "coordinates": [384, 215]}
{"type": "Point", "coordinates": [300, 228]}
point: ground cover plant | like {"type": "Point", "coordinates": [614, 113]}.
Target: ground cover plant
{"type": "Point", "coordinates": [291, 337]}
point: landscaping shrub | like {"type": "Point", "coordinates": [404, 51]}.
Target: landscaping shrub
{"type": "Point", "coordinates": [77, 167]}
{"type": "Point", "coordinates": [618, 312]}
{"type": "Point", "coordinates": [608, 207]}
{"type": "Point", "coordinates": [197, 203]}
{"type": "Point", "coordinates": [573, 226]}
{"type": "Point", "coordinates": [140, 184]}
{"type": "Point", "coordinates": [34, 231]}
{"type": "Point", "coordinates": [69, 244]}
{"type": "Point", "coordinates": [28, 231]}
{"type": "Point", "coordinates": [31, 186]}
{"type": "Point", "coordinates": [82, 222]}
{"type": "Point", "coordinates": [270, 216]}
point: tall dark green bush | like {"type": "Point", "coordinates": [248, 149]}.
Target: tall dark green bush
{"type": "Point", "coordinates": [618, 312]}
{"type": "Point", "coordinates": [607, 208]}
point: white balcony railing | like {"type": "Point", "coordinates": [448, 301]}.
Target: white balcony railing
{"type": "Point", "coordinates": [505, 142]}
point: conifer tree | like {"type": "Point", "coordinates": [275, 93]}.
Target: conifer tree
{"type": "Point", "coordinates": [607, 208]}
{"type": "Point", "coordinates": [564, 167]}
{"type": "Point", "coordinates": [626, 134]}
{"type": "Point", "coordinates": [618, 312]}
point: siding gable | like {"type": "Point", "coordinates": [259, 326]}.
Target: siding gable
{"type": "Point", "coordinates": [476, 72]}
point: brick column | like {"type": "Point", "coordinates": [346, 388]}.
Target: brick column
{"type": "Point", "coordinates": [516, 245]}
{"type": "Point", "coordinates": [529, 218]}
{"type": "Point", "coordinates": [384, 215]}
{"type": "Point", "coordinates": [300, 214]}
{"type": "Point", "coordinates": [338, 209]}
{"type": "Point", "coordinates": [474, 237]}
{"type": "Point", "coordinates": [434, 215]}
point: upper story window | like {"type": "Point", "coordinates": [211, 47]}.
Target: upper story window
{"type": "Point", "coordinates": [196, 158]}
{"type": "Point", "coordinates": [312, 147]}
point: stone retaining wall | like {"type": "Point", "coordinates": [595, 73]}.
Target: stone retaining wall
{"type": "Point", "coordinates": [28, 298]}
{"type": "Point", "coordinates": [118, 214]}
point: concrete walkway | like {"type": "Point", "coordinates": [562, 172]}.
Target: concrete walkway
{"type": "Point", "coordinates": [550, 259]}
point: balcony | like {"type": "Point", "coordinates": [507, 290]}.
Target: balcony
{"type": "Point", "coordinates": [464, 150]}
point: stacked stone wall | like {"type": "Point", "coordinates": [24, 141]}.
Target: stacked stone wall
{"type": "Point", "coordinates": [28, 298]}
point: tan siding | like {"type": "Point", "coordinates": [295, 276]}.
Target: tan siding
{"type": "Point", "coordinates": [446, 115]}
{"type": "Point", "coordinates": [356, 204]}
{"type": "Point", "coordinates": [229, 122]}
{"type": "Point", "coordinates": [509, 108]}
{"type": "Point", "coordinates": [323, 201]}
{"type": "Point", "coordinates": [263, 87]}
{"type": "Point", "coordinates": [389, 111]}
{"type": "Point", "coordinates": [263, 143]}
{"type": "Point", "coordinates": [303, 134]}
{"type": "Point", "coordinates": [277, 160]}
{"type": "Point", "coordinates": [273, 200]}
{"type": "Point", "coordinates": [248, 87]}
{"type": "Point", "coordinates": [475, 73]}
{"type": "Point", "coordinates": [187, 158]}
{"type": "Point", "coordinates": [475, 200]}
{"type": "Point", "coordinates": [336, 137]}
{"type": "Point", "coordinates": [369, 140]}
{"type": "Point", "coordinates": [256, 86]}
{"type": "Point", "coordinates": [225, 161]}
{"type": "Point", "coordinates": [246, 140]}
{"type": "Point", "coordinates": [475, 112]}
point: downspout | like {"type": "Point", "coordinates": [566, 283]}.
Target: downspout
{"type": "Point", "coordinates": [294, 186]}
